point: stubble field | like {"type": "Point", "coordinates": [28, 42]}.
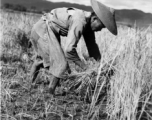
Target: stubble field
{"type": "Point", "coordinates": [119, 87]}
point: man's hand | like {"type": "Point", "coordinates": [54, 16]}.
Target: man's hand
{"type": "Point", "coordinates": [81, 64]}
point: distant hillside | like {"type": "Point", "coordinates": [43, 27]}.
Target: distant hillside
{"type": "Point", "coordinates": [43, 4]}
{"type": "Point", "coordinates": [124, 16]}
{"type": "Point", "coordinates": [137, 17]}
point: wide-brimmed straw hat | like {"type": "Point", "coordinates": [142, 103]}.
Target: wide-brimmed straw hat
{"type": "Point", "coordinates": [106, 15]}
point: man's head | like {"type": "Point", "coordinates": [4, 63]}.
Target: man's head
{"type": "Point", "coordinates": [104, 16]}
{"type": "Point", "coordinates": [95, 22]}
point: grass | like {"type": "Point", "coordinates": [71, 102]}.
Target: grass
{"type": "Point", "coordinates": [93, 94]}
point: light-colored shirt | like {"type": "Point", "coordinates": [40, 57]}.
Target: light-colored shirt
{"type": "Point", "coordinates": [68, 22]}
{"type": "Point", "coordinates": [72, 22]}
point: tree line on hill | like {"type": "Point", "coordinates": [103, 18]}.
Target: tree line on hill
{"type": "Point", "coordinates": [22, 8]}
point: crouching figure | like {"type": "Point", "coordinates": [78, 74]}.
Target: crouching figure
{"type": "Point", "coordinates": [72, 23]}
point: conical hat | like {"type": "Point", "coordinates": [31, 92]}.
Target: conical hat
{"type": "Point", "coordinates": [106, 15]}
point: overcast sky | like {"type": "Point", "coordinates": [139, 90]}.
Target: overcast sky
{"type": "Point", "coordinates": [144, 5]}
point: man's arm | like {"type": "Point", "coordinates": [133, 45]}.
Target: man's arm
{"type": "Point", "coordinates": [93, 49]}
{"type": "Point", "coordinates": [74, 34]}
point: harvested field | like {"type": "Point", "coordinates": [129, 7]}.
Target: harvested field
{"type": "Point", "coordinates": [119, 87]}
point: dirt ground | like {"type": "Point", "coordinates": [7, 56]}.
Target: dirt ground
{"type": "Point", "coordinates": [22, 101]}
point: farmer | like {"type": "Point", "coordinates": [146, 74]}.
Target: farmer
{"type": "Point", "coordinates": [72, 23]}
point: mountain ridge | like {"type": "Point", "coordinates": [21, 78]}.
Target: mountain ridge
{"type": "Point", "coordinates": [124, 15]}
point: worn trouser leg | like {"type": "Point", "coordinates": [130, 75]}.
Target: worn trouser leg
{"type": "Point", "coordinates": [37, 65]}
{"type": "Point", "coordinates": [35, 71]}
{"type": "Point", "coordinates": [48, 47]}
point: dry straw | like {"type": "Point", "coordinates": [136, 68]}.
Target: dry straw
{"type": "Point", "coordinates": [128, 92]}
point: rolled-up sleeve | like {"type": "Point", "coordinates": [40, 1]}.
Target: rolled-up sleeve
{"type": "Point", "coordinates": [74, 34]}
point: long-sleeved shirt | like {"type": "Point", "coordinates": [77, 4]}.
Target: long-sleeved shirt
{"type": "Point", "coordinates": [72, 22]}
{"type": "Point", "coordinates": [46, 33]}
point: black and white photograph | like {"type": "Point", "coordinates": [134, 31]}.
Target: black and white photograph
{"type": "Point", "coordinates": [76, 59]}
